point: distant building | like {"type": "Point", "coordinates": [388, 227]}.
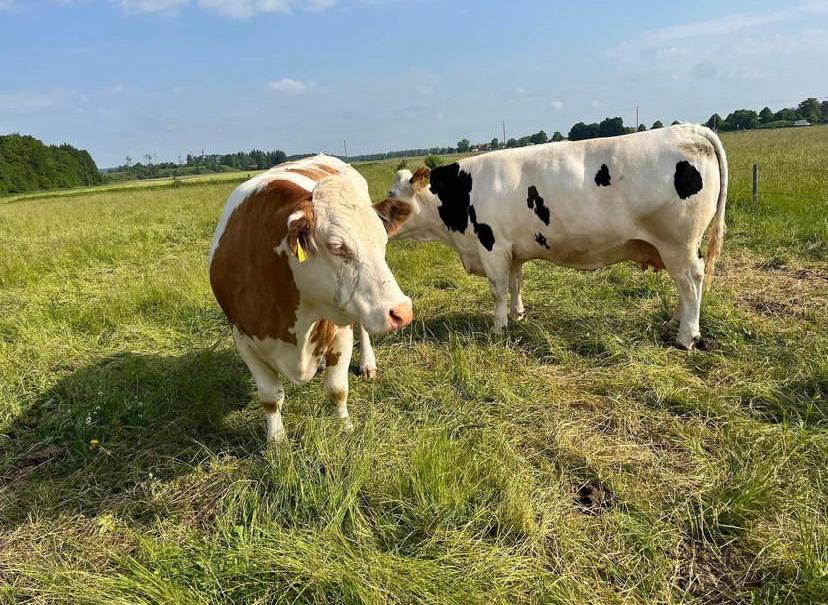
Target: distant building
{"type": "Point", "coordinates": [801, 123]}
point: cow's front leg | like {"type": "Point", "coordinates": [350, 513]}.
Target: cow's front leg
{"type": "Point", "coordinates": [268, 387]}
{"type": "Point", "coordinates": [498, 269]}
{"type": "Point", "coordinates": [336, 373]}
{"type": "Point", "coordinates": [515, 283]}
{"type": "Point", "coordinates": [367, 360]}
{"type": "Point", "coordinates": [499, 288]}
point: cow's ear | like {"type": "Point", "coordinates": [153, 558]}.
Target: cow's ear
{"type": "Point", "coordinates": [393, 213]}
{"type": "Point", "coordinates": [421, 178]}
{"type": "Point", "coordinates": [301, 225]}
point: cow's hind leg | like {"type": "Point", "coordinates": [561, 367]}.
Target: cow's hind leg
{"type": "Point", "coordinates": [687, 271]}
{"type": "Point", "coordinates": [515, 283]}
{"type": "Point", "coordinates": [336, 373]}
{"type": "Point", "coordinates": [268, 385]}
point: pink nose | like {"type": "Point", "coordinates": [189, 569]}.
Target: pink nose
{"type": "Point", "coordinates": [400, 315]}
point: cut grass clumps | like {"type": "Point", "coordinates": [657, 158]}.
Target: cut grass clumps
{"type": "Point", "coordinates": [578, 458]}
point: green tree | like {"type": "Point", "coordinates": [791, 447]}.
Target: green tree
{"type": "Point", "coordinates": [511, 143]}
{"type": "Point", "coordinates": [494, 144]}
{"type": "Point", "coordinates": [539, 138]}
{"type": "Point", "coordinates": [557, 136]}
{"type": "Point", "coordinates": [811, 110]}
{"type": "Point", "coordinates": [766, 115]}
{"type": "Point", "coordinates": [432, 161]}
{"type": "Point", "coordinates": [26, 164]}
{"type": "Point", "coordinates": [786, 113]}
{"type": "Point", "coordinates": [743, 119]}
{"type": "Point", "coordinates": [463, 146]}
{"type": "Point", "coordinates": [642, 128]}
{"type": "Point", "coordinates": [581, 131]}
{"type": "Point", "coordinates": [675, 123]}
{"type": "Point", "coordinates": [715, 122]}
{"type": "Point", "coordinates": [657, 124]}
{"type": "Point", "coordinates": [611, 127]}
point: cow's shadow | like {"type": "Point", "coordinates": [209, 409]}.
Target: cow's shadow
{"type": "Point", "coordinates": [547, 340]}
{"type": "Point", "coordinates": [107, 427]}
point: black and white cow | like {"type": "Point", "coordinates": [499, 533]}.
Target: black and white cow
{"type": "Point", "coordinates": [647, 197]}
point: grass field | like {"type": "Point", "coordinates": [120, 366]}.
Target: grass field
{"type": "Point", "coordinates": [579, 459]}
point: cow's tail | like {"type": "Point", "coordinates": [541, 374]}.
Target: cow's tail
{"type": "Point", "coordinates": [714, 246]}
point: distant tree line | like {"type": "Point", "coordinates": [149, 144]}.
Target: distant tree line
{"type": "Point", "coordinates": [199, 164]}
{"type": "Point", "coordinates": [811, 110]}
{"type": "Point", "coordinates": [27, 164]}
{"type": "Point", "coordinates": [403, 153]}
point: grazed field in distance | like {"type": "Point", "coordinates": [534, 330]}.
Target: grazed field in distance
{"type": "Point", "coordinates": [579, 459]}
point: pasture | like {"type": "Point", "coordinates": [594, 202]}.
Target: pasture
{"type": "Point", "coordinates": [581, 458]}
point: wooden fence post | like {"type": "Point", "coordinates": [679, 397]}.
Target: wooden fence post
{"type": "Point", "coordinates": [756, 184]}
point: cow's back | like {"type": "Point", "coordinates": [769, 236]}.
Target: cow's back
{"type": "Point", "coordinates": [560, 200]}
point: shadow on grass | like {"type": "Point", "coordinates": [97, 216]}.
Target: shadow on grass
{"type": "Point", "coordinates": [593, 339]}
{"type": "Point", "coordinates": [104, 428]}
{"type": "Point", "coordinates": [549, 341]}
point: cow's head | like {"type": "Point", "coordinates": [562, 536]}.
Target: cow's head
{"type": "Point", "coordinates": [338, 245]}
{"type": "Point", "coordinates": [412, 190]}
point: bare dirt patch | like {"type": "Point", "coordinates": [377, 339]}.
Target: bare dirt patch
{"type": "Point", "coordinates": [776, 288]}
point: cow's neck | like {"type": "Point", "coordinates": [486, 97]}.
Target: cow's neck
{"type": "Point", "coordinates": [431, 227]}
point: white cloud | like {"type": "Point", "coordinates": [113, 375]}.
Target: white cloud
{"type": "Point", "coordinates": [7, 5]}
{"type": "Point", "coordinates": [721, 26]}
{"type": "Point", "coordinates": [781, 37]}
{"type": "Point", "coordinates": [152, 6]}
{"type": "Point", "coordinates": [818, 7]}
{"type": "Point", "coordinates": [289, 85]}
{"type": "Point", "coordinates": [25, 101]}
{"type": "Point", "coordinates": [425, 82]}
{"type": "Point", "coordinates": [234, 9]}
{"type": "Point", "coordinates": [244, 9]}
{"type": "Point", "coordinates": [524, 95]}
{"type": "Point", "coordinates": [557, 105]}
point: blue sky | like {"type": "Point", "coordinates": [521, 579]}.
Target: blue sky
{"type": "Point", "coordinates": [169, 77]}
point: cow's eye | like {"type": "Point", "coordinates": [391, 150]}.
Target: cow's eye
{"type": "Point", "coordinates": [340, 249]}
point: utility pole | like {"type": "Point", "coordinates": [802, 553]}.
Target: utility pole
{"type": "Point", "coordinates": [504, 133]}
{"type": "Point", "coordinates": [637, 122]}
{"type": "Point", "coordinates": [345, 145]}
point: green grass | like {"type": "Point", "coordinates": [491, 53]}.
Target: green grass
{"type": "Point", "coordinates": [580, 459]}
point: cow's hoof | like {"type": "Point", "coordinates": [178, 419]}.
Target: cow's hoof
{"type": "Point", "coordinates": [276, 440]}
{"type": "Point", "coordinates": [347, 425]}
{"type": "Point", "coordinates": [499, 325]}
{"type": "Point", "coordinates": [368, 373]}
{"type": "Point", "coordinates": [688, 343]}
{"type": "Point", "coordinates": [518, 316]}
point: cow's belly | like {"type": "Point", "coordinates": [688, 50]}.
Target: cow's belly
{"type": "Point", "coordinates": [586, 235]}
{"type": "Point", "coordinates": [597, 255]}
{"type": "Point", "coordinates": [291, 361]}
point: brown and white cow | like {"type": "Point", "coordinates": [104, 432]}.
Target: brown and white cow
{"type": "Point", "coordinates": [647, 197]}
{"type": "Point", "coordinates": [299, 256]}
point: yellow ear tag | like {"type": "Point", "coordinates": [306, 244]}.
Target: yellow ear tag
{"type": "Point", "coordinates": [300, 253]}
